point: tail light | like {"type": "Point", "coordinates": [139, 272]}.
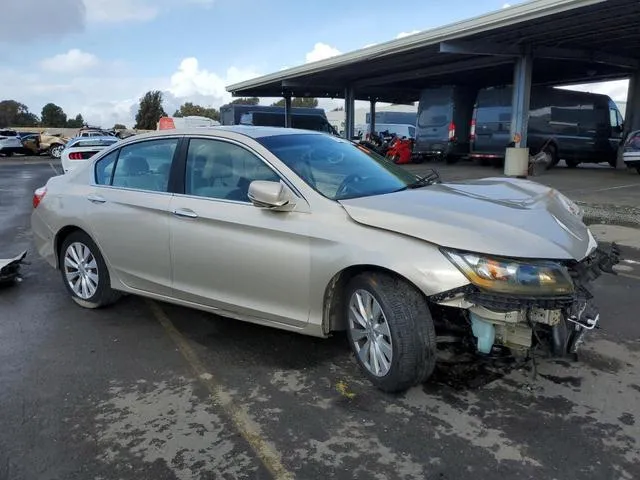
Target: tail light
{"type": "Point", "coordinates": [38, 195]}
{"type": "Point", "coordinates": [452, 131]}
{"type": "Point", "coordinates": [472, 134]}
{"type": "Point", "coordinates": [75, 156]}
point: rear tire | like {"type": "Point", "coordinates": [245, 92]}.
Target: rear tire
{"type": "Point", "coordinates": [451, 159]}
{"type": "Point", "coordinates": [552, 152]}
{"type": "Point", "coordinates": [56, 150]}
{"type": "Point", "coordinates": [409, 336]}
{"type": "Point", "coordinates": [81, 262]}
{"type": "Point", "coordinates": [572, 163]}
{"type": "Point", "coordinates": [484, 162]}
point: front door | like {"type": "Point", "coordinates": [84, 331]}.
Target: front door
{"type": "Point", "coordinates": [229, 254]}
{"type": "Point", "coordinates": [129, 213]}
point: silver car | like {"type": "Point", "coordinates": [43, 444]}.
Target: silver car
{"type": "Point", "coordinates": [307, 232]}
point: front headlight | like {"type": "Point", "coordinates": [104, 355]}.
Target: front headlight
{"type": "Point", "coordinates": [513, 276]}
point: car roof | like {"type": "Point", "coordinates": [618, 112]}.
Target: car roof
{"type": "Point", "coordinates": [93, 139]}
{"type": "Point", "coordinates": [251, 131]}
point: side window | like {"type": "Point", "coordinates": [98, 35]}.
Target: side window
{"type": "Point", "coordinates": [145, 165]}
{"type": "Point", "coordinates": [613, 117]}
{"type": "Point", "coordinates": [218, 169]}
{"type": "Point", "coordinates": [104, 168]}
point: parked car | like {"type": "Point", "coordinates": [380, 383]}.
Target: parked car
{"type": "Point", "coordinates": [310, 233]}
{"type": "Point", "coordinates": [10, 142]}
{"type": "Point", "coordinates": [444, 118]}
{"type": "Point", "coordinates": [80, 149]}
{"type": "Point", "coordinates": [575, 126]}
{"type": "Point", "coordinates": [631, 150]}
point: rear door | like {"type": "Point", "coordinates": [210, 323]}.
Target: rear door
{"type": "Point", "coordinates": [492, 122]}
{"type": "Point", "coordinates": [128, 212]}
{"type": "Point", "coordinates": [435, 114]}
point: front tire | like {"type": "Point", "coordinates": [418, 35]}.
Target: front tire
{"type": "Point", "coordinates": [84, 272]}
{"type": "Point", "coordinates": [390, 331]}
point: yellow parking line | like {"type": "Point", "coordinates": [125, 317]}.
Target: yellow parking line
{"type": "Point", "coordinates": [249, 430]}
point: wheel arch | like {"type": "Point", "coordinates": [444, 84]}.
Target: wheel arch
{"type": "Point", "coordinates": [59, 238]}
{"type": "Point", "coordinates": [334, 294]}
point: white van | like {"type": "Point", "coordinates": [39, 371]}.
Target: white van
{"type": "Point", "coordinates": [399, 129]}
{"type": "Point", "coordinates": [193, 121]}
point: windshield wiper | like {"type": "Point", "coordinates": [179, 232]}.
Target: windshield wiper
{"type": "Point", "coordinates": [429, 179]}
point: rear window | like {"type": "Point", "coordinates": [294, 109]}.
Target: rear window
{"type": "Point", "coordinates": [493, 114]}
{"type": "Point", "coordinates": [435, 115]}
{"type": "Point", "coordinates": [8, 133]}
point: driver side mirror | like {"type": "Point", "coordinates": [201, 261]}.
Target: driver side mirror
{"type": "Point", "coordinates": [271, 195]}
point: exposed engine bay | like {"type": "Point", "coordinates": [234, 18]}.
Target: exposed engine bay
{"type": "Point", "coordinates": [490, 322]}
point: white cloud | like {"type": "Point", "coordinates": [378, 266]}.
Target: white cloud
{"type": "Point", "coordinates": [506, 5]}
{"type": "Point", "coordinates": [112, 96]}
{"type": "Point", "coordinates": [74, 61]}
{"type": "Point", "coordinates": [407, 34]}
{"type": "Point", "coordinates": [320, 52]}
{"type": "Point", "coordinates": [616, 89]}
{"type": "Point", "coordinates": [370, 45]}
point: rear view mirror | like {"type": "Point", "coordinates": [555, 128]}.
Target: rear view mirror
{"type": "Point", "coordinates": [270, 195]}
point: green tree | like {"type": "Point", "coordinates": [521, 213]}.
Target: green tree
{"type": "Point", "coordinates": [306, 102]}
{"type": "Point", "coordinates": [16, 114]}
{"type": "Point", "coordinates": [246, 101]}
{"type": "Point", "coordinates": [53, 116]}
{"type": "Point", "coordinates": [189, 109]}
{"type": "Point", "coordinates": [77, 122]}
{"type": "Point", "coordinates": [119, 126]}
{"type": "Point", "coordinates": [150, 110]}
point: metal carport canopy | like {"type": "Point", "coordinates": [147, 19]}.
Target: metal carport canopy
{"type": "Point", "coordinates": [572, 41]}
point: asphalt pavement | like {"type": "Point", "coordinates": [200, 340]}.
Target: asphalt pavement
{"type": "Point", "coordinates": [146, 390]}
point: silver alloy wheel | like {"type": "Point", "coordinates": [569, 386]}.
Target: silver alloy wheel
{"type": "Point", "coordinates": [370, 333]}
{"type": "Point", "coordinates": [81, 270]}
{"type": "Point", "coordinates": [56, 151]}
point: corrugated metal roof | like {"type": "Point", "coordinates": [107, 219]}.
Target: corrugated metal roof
{"type": "Point", "coordinates": [399, 68]}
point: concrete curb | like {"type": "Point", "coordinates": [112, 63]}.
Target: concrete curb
{"type": "Point", "coordinates": [610, 214]}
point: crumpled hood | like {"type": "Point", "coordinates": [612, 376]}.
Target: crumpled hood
{"type": "Point", "coordinates": [496, 216]}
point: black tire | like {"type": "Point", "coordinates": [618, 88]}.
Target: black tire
{"type": "Point", "coordinates": [104, 295]}
{"type": "Point", "coordinates": [497, 162]}
{"type": "Point", "coordinates": [417, 159]}
{"type": "Point", "coordinates": [484, 162]}
{"type": "Point", "coordinates": [572, 163]}
{"type": "Point", "coordinates": [552, 151]}
{"type": "Point", "coordinates": [638, 170]}
{"type": "Point", "coordinates": [613, 162]}
{"type": "Point", "coordinates": [451, 159]}
{"type": "Point", "coordinates": [55, 151]}
{"type": "Point", "coordinates": [413, 336]}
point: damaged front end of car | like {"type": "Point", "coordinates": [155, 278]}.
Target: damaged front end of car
{"type": "Point", "coordinates": [522, 306]}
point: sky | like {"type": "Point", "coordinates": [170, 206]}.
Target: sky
{"type": "Point", "coordinates": [98, 57]}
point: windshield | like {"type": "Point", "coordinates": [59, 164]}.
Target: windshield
{"type": "Point", "coordinates": [336, 168]}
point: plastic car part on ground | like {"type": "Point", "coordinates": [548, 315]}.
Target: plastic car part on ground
{"type": "Point", "coordinates": [10, 268]}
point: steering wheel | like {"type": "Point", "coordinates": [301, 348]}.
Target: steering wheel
{"type": "Point", "coordinates": [344, 186]}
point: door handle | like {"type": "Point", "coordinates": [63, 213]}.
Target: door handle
{"type": "Point", "coordinates": [96, 198]}
{"type": "Point", "coordinates": [185, 212]}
